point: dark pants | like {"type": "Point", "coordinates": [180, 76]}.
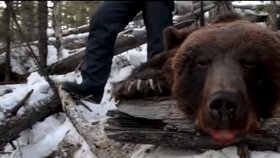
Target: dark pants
{"type": "Point", "coordinates": [110, 19]}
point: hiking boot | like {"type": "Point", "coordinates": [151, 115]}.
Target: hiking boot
{"type": "Point", "coordinates": [82, 90]}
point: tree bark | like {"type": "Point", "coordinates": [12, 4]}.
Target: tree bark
{"type": "Point", "coordinates": [273, 15]}
{"type": "Point", "coordinates": [28, 22]}
{"type": "Point", "coordinates": [159, 121]}
{"type": "Point", "coordinates": [57, 19]}
{"type": "Point", "coordinates": [8, 38]}
{"type": "Point", "coordinates": [42, 32]}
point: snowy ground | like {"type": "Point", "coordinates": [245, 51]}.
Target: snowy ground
{"type": "Point", "coordinates": [56, 137]}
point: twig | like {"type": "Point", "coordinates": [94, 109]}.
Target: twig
{"type": "Point", "coordinates": [2, 152]}
{"type": "Point", "coordinates": [79, 66]}
{"type": "Point", "coordinates": [13, 145]}
{"type": "Point", "coordinates": [84, 105]}
{"type": "Point", "coordinates": [243, 150]}
{"type": "Point", "coordinates": [15, 109]}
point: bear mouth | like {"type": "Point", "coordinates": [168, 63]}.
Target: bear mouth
{"type": "Point", "coordinates": [223, 136]}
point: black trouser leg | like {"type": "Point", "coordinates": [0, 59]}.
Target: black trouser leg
{"type": "Point", "coordinates": [157, 16]}
{"type": "Point", "coordinates": [109, 20]}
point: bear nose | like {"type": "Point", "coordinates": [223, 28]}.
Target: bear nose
{"type": "Point", "coordinates": [222, 107]}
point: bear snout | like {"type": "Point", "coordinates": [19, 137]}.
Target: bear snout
{"type": "Point", "coordinates": [225, 108]}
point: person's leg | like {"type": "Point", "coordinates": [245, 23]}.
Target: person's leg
{"type": "Point", "coordinates": [109, 20]}
{"type": "Point", "coordinates": [157, 16]}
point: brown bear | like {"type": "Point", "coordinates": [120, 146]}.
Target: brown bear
{"type": "Point", "coordinates": [225, 76]}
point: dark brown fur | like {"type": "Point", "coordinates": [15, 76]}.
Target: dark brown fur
{"type": "Point", "coordinates": [231, 56]}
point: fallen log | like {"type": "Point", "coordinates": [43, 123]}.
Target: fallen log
{"type": "Point", "coordinates": [92, 132]}
{"type": "Point", "coordinates": [158, 121]}
{"type": "Point", "coordinates": [11, 127]}
{"type": "Point", "coordinates": [68, 64]}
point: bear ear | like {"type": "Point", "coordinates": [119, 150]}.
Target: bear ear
{"type": "Point", "coordinates": [174, 37]}
{"type": "Point", "coordinates": [277, 34]}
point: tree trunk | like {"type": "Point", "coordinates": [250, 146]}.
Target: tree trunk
{"type": "Point", "coordinates": [28, 22]}
{"type": "Point", "coordinates": [202, 17]}
{"type": "Point", "coordinates": [57, 19]}
{"type": "Point", "coordinates": [273, 15]}
{"type": "Point", "coordinates": [7, 18]}
{"type": "Point", "coordinates": [42, 32]}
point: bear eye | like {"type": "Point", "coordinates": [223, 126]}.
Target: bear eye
{"type": "Point", "coordinates": [203, 61]}
{"type": "Point", "coordinates": [249, 63]}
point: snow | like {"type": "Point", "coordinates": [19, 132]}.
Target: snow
{"type": "Point", "coordinates": [50, 31]}
{"type": "Point", "coordinates": [52, 54]}
{"type": "Point", "coordinates": [250, 2]}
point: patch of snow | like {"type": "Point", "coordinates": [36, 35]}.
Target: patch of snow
{"type": "Point", "coordinates": [52, 55]}
{"type": "Point", "coordinates": [41, 90]}
{"type": "Point", "coordinates": [50, 31]}
{"type": "Point", "coordinates": [250, 2]}
{"type": "Point", "coordinates": [77, 36]}
{"type": "Point", "coordinates": [46, 142]}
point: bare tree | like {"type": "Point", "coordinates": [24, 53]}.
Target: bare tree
{"type": "Point", "coordinates": [42, 32]}
{"type": "Point", "coordinates": [57, 19]}
{"type": "Point", "coordinates": [8, 34]}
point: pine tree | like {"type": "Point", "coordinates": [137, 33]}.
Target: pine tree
{"type": "Point", "coordinates": [42, 32]}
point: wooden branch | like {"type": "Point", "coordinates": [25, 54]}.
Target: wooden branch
{"type": "Point", "coordinates": [15, 109]}
{"type": "Point", "coordinates": [160, 122]}
{"type": "Point", "coordinates": [92, 132]}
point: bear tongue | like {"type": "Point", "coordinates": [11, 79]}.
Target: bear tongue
{"type": "Point", "coordinates": [224, 137]}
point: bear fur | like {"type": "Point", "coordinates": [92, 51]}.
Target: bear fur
{"type": "Point", "coordinates": [224, 76]}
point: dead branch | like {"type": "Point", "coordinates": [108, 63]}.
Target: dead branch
{"type": "Point", "coordinates": [15, 109]}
